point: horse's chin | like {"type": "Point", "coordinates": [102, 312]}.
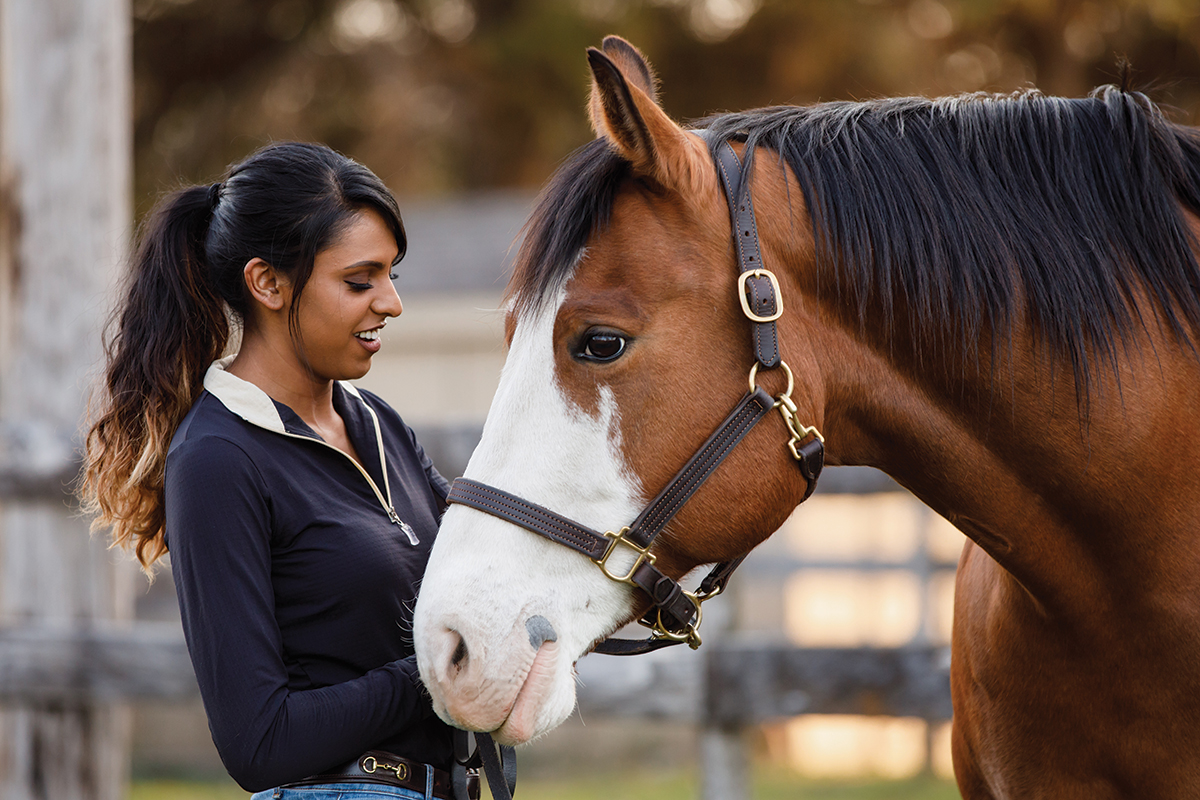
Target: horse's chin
{"type": "Point", "coordinates": [541, 702]}
{"type": "Point", "coordinates": [533, 712]}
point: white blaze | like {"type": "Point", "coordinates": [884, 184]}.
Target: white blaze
{"type": "Point", "coordinates": [487, 577]}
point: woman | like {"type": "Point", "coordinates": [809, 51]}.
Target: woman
{"type": "Point", "coordinates": [298, 510]}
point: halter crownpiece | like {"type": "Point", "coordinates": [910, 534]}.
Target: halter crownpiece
{"type": "Point", "coordinates": [676, 613]}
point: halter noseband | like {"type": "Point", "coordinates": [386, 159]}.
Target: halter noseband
{"type": "Point", "coordinates": [676, 614]}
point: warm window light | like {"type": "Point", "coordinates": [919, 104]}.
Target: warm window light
{"type": "Point", "coordinates": [942, 762]}
{"type": "Point", "coordinates": [943, 540]}
{"type": "Point", "coordinates": [838, 746]}
{"type": "Point", "coordinates": [844, 608]}
{"type": "Point", "coordinates": [838, 605]}
{"type": "Point", "coordinates": [941, 606]}
{"type": "Point", "coordinates": [882, 528]}
{"type": "Point", "coordinates": [841, 746]}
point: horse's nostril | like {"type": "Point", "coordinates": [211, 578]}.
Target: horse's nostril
{"type": "Point", "coordinates": [460, 652]}
{"type": "Point", "coordinates": [540, 631]}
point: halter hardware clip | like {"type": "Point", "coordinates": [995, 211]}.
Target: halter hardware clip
{"type": "Point", "coordinates": [787, 409]}
{"type": "Point", "coordinates": [692, 634]}
{"type": "Point", "coordinates": [798, 430]}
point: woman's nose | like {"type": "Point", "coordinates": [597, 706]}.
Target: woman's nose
{"type": "Point", "coordinates": [388, 302]}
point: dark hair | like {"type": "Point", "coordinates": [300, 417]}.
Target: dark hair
{"type": "Point", "coordinates": [284, 204]}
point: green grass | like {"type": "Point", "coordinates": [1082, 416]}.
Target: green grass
{"type": "Point", "coordinates": [770, 784]}
{"type": "Point", "coordinates": [780, 786]}
{"type": "Point", "coordinates": [185, 790]}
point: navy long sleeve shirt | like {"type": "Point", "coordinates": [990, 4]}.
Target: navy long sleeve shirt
{"type": "Point", "coordinates": [297, 572]}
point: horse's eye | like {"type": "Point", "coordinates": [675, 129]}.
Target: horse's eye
{"type": "Point", "coordinates": [602, 346]}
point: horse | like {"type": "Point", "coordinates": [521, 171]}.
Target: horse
{"type": "Point", "coordinates": [995, 299]}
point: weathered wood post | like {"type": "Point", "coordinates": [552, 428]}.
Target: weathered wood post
{"type": "Point", "coordinates": [65, 176]}
{"type": "Point", "coordinates": [724, 751]}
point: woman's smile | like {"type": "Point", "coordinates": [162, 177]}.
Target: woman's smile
{"type": "Point", "coordinates": [370, 338]}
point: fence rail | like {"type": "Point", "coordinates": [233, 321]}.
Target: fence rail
{"type": "Point", "coordinates": [110, 663]}
{"type": "Point", "coordinates": [753, 684]}
{"type": "Point", "coordinates": [730, 684]}
{"type": "Point", "coordinates": [37, 461]}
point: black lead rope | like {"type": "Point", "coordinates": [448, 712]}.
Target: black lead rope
{"type": "Point", "coordinates": [499, 764]}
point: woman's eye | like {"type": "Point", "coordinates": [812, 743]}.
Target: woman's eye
{"type": "Point", "coordinates": [603, 346]}
{"type": "Point", "coordinates": [358, 287]}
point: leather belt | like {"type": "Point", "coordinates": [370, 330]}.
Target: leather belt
{"type": "Point", "coordinates": [377, 766]}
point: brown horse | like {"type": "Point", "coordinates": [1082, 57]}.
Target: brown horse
{"type": "Point", "coordinates": [993, 299]}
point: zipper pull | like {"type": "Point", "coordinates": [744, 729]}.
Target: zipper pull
{"type": "Point", "coordinates": [404, 526]}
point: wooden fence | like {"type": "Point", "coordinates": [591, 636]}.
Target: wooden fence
{"type": "Point", "coordinates": [729, 685]}
{"type": "Point", "coordinates": [65, 210]}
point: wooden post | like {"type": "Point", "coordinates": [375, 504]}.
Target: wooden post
{"type": "Point", "coordinates": [65, 143]}
{"type": "Point", "coordinates": [724, 763]}
{"type": "Point", "coordinates": [724, 750]}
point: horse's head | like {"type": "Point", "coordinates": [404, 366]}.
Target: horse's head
{"type": "Point", "coordinates": [627, 348]}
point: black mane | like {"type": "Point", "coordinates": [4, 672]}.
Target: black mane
{"type": "Point", "coordinates": [932, 202]}
{"type": "Point", "coordinates": [575, 203]}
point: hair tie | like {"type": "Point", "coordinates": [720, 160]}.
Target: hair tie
{"type": "Point", "coordinates": [214, 195]}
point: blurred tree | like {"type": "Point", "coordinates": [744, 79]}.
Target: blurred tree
{"type": "Point", "coordinates": [446, 95]}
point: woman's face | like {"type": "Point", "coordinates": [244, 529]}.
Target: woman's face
{"type": "Point", "coordinates": [348, 299]}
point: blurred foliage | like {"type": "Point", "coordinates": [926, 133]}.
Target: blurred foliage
{"type": "Point", "coordinates": [439, 96]}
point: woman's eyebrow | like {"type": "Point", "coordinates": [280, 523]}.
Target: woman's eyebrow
{"type": "Point", "coordinates": [367, 263]}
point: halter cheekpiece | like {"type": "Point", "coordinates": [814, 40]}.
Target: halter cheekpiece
{"type": "Point", "coordinates": [676, 613]}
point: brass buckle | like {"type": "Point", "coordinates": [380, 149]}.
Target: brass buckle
{"type": "Point", "coordinates": [760, 273]}
{"type": "Point", "coordinates": [401, 770]}
{"type": "Point", "coordinates": [644, 556]}
{"type": "Point", "coordinates": [658, 630]}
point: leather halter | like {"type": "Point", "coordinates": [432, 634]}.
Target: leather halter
{"type": "Point", "coordinates": [676, 613]}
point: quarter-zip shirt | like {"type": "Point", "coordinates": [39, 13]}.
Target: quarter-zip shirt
{"type": "Point", "coordinates": [297, 570]}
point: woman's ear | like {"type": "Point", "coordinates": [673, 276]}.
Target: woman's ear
{"type": "Point", "coordinates": [264, 284]}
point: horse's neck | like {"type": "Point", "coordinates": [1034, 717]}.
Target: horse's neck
{"type": "Point", "coordinates": [1010, 457]}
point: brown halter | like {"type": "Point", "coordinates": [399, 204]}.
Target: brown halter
{"type": "Point", "coordinates": [676, 614]}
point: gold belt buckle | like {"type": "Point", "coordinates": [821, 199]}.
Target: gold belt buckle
{"type": "Point", "coordinates": [371, 764]}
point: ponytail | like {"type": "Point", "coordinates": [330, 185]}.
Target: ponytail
{"type": "Point", "coordinates": [283, 204]}
{"type": "Point", "coordinates": [170, 327]}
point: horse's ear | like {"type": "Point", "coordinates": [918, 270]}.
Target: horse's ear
{"type": "Point", "coordinates": [633, 65]}
{"type": "Point", "coordinates": [624, 109]}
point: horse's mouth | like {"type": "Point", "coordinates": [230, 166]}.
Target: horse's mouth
{"type": "Point", "coordinates": [521, 725]}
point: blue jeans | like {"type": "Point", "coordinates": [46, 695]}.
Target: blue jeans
{"type": "Point", "coordinates": [343, 791]}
